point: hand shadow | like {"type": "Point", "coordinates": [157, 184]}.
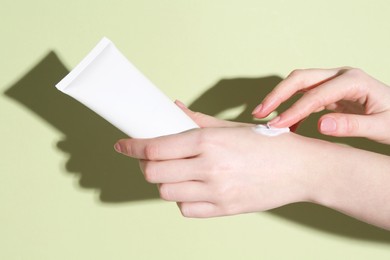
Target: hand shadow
{"type": "Point", "coordinates": [248, 92]}
{"type": "Point", "coordinates": [89, 141]}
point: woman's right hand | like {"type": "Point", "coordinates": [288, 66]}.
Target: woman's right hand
{"type": "Point", "coordinates": [361, 103]}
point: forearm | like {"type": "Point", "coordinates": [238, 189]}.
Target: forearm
{"type": "Point", "coordinates": [355, 182]}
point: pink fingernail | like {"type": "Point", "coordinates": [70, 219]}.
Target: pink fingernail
{"type": "Point", "coordinates": [117, 148]}
{"type": "Point", "coordinates": [180, 104]}
{"type": "Point", "coordinates": [328, 125]}
{"type": "Point", "coordinates": [257, 109]}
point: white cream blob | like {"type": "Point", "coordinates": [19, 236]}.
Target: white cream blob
{"type": "Point", "coordinates": [269, 130]}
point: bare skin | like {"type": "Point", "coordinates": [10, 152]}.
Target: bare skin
{"type": "Point", "coordinates": [225, 168]}
{"type": "Point", "coordinates": [360, 102]}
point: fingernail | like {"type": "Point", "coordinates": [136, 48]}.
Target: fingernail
{"type": "Point", "coordinates": [257, 109]}
{"type": "Point", "coordinates": [274, 121]}
{"type": "Point", "coordinates": [180, 104]}
{"type": "Point", "coordinates": [117, 148]}
{"type": "Point", "coordinates": [328, 125]}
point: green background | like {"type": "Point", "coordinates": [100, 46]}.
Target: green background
{"type": "Point", "coordinates": [64, 192]}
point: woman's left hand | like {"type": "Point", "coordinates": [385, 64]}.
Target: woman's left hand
{"type": "Point", "coordinates": [224, 168]}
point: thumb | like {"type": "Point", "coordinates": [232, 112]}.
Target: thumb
{"type": "Point", "coordinates": [338, 124]}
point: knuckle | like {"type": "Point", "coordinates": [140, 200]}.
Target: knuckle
{"type": "Point", "coordinates": [358, 79]}
{"type": "Point", "coordinates": [213, 171]}
{"type": "Point", "coordinates": [297, 77]}
{"type": "Point", "coordinates": [347, 126]}
{"type": "Point", "coordinates": [345, 68]}
{"type": "Point", "coordinates": [228, 209]}
{"type": "Point", "coordinates": [316, 100]}
{"type": "Point", "coordinates": [295, 73]}
{"type": "Point", "coordinates": [220, 193]}
{"type": "Point", "coordinates": [165, 192]}
{"type": "Point", "coordinates": [151, 152]}
{"type": "Point", "coordinates": [185, 210]}
{"type": "Point", "coordinates": [355, 75]}
{"type": "Point", "coordinates": [352, 125]}
{"type": "Point", "coordinates": [217, 168]}
{"type": "Point", "coordinates": [224, 193]}
{"type": "Point", "coordinates": [204, 138]}
{"type": "Point", "coordinates": [150, 172]}
{"type": "Point", "coordinates": [356, 72]}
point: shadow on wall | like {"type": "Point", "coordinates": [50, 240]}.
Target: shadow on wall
{"type": "Point", "coordinates": [89, 139]}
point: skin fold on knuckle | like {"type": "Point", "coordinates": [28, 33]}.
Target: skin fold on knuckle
{"type": "Point", "coordinates": [353, 126]}
{"type": "Point", "coordinates": [224, 195]}
{"type": "Point", "coordinates": [227, 209]}
{"type": "Point", "coordinates": [151, 151]}
{"type": "Point", "coordinates": [314, 100]}
{"type": "Point", "coordinates": [346, 126]}
{"type": "Point", "coordinates": [296, 77]}
{"type": "Point", "coordinates": [295, 73]}
{"type": "Point", "coordinates": [165, 192]}
{"type": "Point", "coordinates": [359, 81]}
{"type": "Point", "coordinates": [185, 210]}
{"type": "Point", "coordinates": [190, 211]}
{"type": "Point", "coordinates": [150, 172]}
{"type": "Point", "coordinates": [214, 171]}
{"type": "Point", "coordinates": [205, 139]}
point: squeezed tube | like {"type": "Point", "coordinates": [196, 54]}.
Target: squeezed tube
{"type": "Point", "coordinates": [110, 85]}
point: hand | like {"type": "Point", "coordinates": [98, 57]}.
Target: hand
{"type": "Point", "coordinates": [229, 169]}
{"type": "Point", "coordinates": [361, 103]}
{"type": "Point", "coordinates": [223, 170]}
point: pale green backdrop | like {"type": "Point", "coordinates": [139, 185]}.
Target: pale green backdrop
{"type": "Point", "coordinates": [64, 192]}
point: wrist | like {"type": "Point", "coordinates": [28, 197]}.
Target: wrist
{"type": "Point", "coordinates": [322, 164]}
{"type": "Point", "coordinates": [354, 182]}
{"type": "Point", "coordinates": [306, 169]}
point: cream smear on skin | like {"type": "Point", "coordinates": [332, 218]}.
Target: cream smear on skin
{"type": "Point", "coordinates": [269, 130]}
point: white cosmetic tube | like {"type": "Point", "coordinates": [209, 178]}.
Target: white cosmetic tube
{"type": "Point", "coordinates": [106, 82]}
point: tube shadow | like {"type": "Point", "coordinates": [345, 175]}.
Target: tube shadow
{"type": "Point", "coordinates": [88, 139]}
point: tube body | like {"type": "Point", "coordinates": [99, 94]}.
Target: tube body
{"type": "Point", "coordinates": [107, 83]}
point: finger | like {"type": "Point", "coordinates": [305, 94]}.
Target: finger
{"type": "Point", "coordinates": [172, 171]}
{"type": "Point", "coordinates": [298, 80]}
{"type": "Point", "coordinates": [189, 191]}
{"type": "Point", "coordinates": [336, 124]}
{"type": "Point", "coordinates": [205, 120]}
{"type": "Point", "coordinates": [175, 146]}
{"type": "Point", "coordinates": [201, 119]}
{"type": "Point", "coordinates": [345, 106]}
{"type": "Point", "coordinates": [339, 88]}
{"type": "Point", "coordinates": [198, 209]}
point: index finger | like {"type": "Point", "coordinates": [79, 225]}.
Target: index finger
{"type": "Point", "coordinates": [296, 81]}
{"type": "Point", "coordinates": [182, 145]}
{"type": "Point", "coordinates": [330, 92]}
